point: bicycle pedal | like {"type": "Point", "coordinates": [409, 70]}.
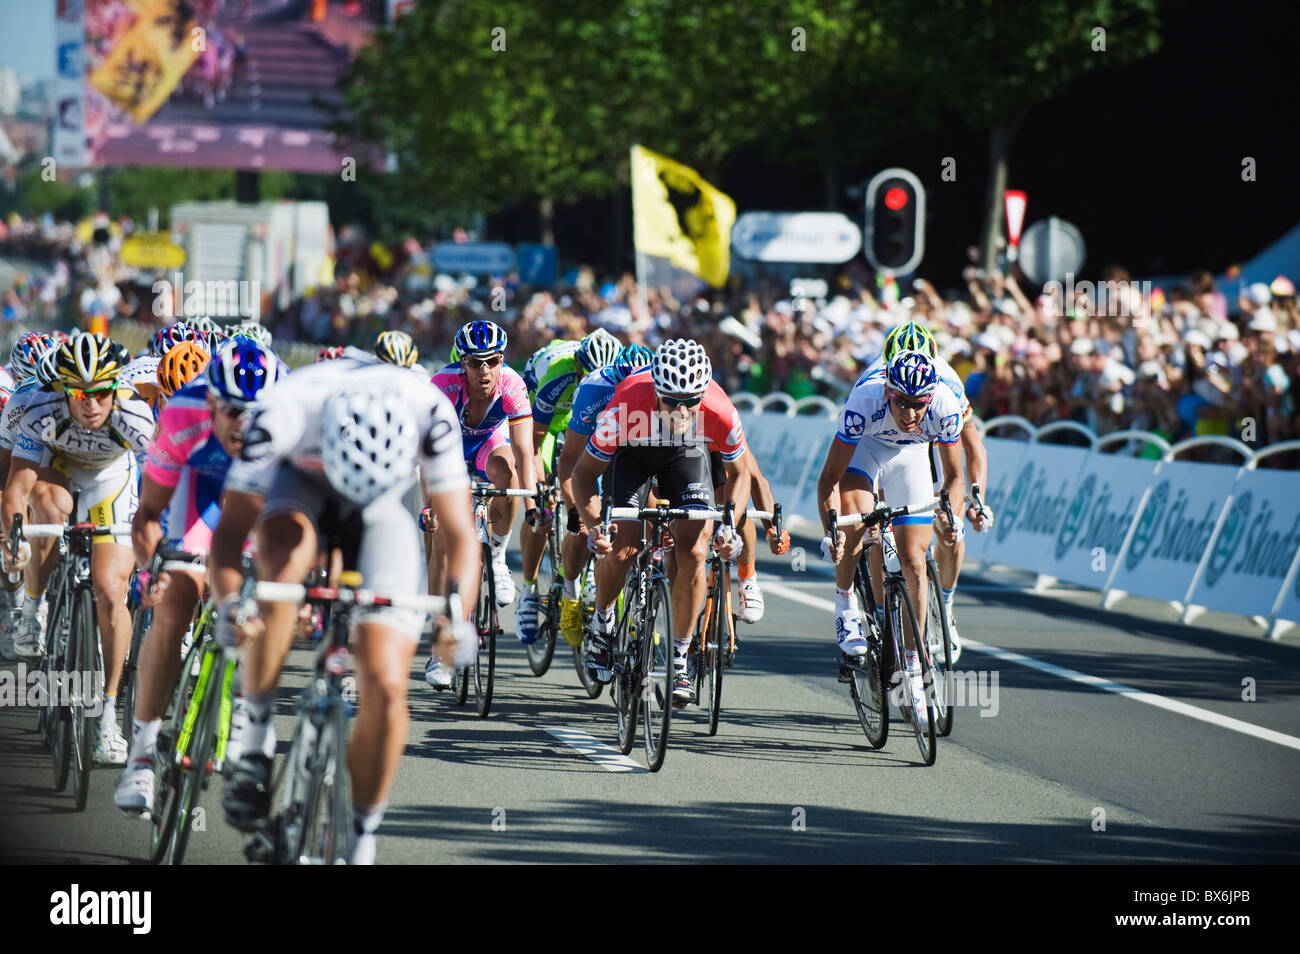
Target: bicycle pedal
{"type": "Point", "coordinates": [846, 673]}
{"type": "Point", "coordinates": [261, 849]}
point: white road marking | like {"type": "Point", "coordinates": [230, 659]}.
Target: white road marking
{"type": "Point", "coordinates": [1096, 682]}
{"type": "Point", "coordinates": [607, 757]}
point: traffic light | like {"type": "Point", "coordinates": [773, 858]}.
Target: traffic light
{"type": "Point", "coordinates": [895, 225]}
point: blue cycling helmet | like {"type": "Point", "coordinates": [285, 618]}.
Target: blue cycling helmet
{"type": "Point", "coordinates": [480, 339]}
{"type": "Point", "coordinates": [912, 373]}
{"type": "Point", "coordinates": [633, 358]}
{"type": "Point", "coordinates": [242, 371]}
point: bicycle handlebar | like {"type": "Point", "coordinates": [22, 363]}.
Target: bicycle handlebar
{"type": "Point", "coordinates": [57, 530]}
{"type": "Point", "coordinates": [881, 515]}
{"type": "Point", "coordinates": [271, 592]}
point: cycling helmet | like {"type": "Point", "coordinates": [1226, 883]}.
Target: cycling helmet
{"type": "Point", "coordinates": [47, 369]}
{"type": "Point", "coordinates": [208, 333]}
{"type": "Point", "coordinates": [90, 359]}
{"type": "Point", "coordinates": [909, 337]}
{"type": "Point", "coordinates": [911, 373]}
{"type": "Point", "coordinates": [61, 337]}
{"type": "Point", "coordinates": [242, 371]}
{"type": "Point", "coordinates": [480, 339]}
{"type": "Point", "coordinates": [632, 358]}
{"type": "Point", "coordinates": [166, 338]}
{"type": "Point", "coordinates": [680, 368]}
{"type": "Point", "coordinates": [179, 366]}
{"type": "Point", "coordinates": [598, 349]}
{"type": "Point", "coordinates": [368, 443]}
{"type": "Point", "coordinates": [26, 354]}
{"type": "Point", "coordinates": [251, 329]}
{"type": "Point", "coordinates": [396, 347]}
{"type": "Point", "coordinates": [329, 354]}
{"type": "Point", "coordinates": [455, 355]}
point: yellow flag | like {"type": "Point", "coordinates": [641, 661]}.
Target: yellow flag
{"type": "Point", "coordinates": [145, 65]}
{"type": "Point", "coordinates": [678, 216]}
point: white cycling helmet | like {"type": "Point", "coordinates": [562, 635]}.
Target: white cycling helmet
{"type": "Point", "coordinates": [680, 368]}
{"type": "Point", "coordinates": [598, 349]}
{"type": "Point", "coordinates": [368, 443]}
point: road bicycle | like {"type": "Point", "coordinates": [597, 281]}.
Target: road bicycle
{"type": "Point", "coordinates": [314, 821]}
{"type": "Point", "coordinates": [550, 582]}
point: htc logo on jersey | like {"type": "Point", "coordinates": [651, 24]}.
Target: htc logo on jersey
{"type": "Point", "coordinates": [77, 907]}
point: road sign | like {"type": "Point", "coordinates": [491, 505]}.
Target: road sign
{"type": "Point", "coordinates": [894, 237]}
{"type": "Point", "coordinates": [1015, 203]}
{"type": "Point", "coordinates": [152, 250]}
{"type": "Point", "coordinates": [816, 237]}
{"type": "Point", "coordinates": [476, 258]}
{"type": "Point", "coordinates": [1050, 250]}
{"type": "Point", "coordinates": [538, 264]}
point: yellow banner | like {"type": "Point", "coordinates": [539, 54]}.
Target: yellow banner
{"type": "Point", "coordinates": [677, 215]}
{"type": "Point", "coordinates": [145, 65]}
{"type": "Point", "coordinates": [152, 250]}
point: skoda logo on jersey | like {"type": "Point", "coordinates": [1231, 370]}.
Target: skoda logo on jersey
{"type": "Point", "coordinates": [1015, 501]}
{"type": "Point", "coordinates": [1145, 532]}
{"type": "Point", "coordinates": [1073, 522]}
{"type": "Point", "coordinates": [1234, 529]}
{"type": "Point", "coordinates": [854, 423]}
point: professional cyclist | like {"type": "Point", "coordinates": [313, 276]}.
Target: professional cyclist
{"type": "Point", "coordinates": [253, 330]}
{"type": "Point", "coordinates": [880, 446]}
{"type": "Point", "coordinates": [661, 426]}
{"type": "Point", "coordinates": [497, 445]}
{"type": "Point", "coordinates": [557, 368]}
{"type": "Point", "coordinates": [397, 347]}
{"type": "Point", "coordinates": [84, 438]}
{"type": "Point", "coordinates": [912, 336]}
{"type": "Point", "coordinates": [329, 454]}
{"type": "Point", "coordinates": [199, 434]}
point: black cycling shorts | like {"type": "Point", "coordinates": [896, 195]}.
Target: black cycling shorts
{"type": "Point", "coordinates": [684, 476]}
{"type": "Point", "coordinates": [719, 469]}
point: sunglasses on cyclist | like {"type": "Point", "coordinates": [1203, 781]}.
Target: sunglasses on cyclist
{"type": "Point", "coordinates": [85, 394]}
{"type": "Point", "coordinates": [680, 402]}
{"type": "Point", "coordinates": [916, 405]}
{"type": "Point", "coordinates": [230, 410]}
{"type": "Point", "coordinates": [473, 364]}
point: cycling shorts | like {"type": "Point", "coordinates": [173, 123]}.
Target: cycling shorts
{"type": "Point", "coordinates": [901, 473]}
{"type": "Point", "coordinates": [479, 448]}
{"type": "Point", "coordinates": [108, 495]}
{"type": "Point", "coordinates": [683, 475]}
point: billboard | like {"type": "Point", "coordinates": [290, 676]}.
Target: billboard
{"type": "Point", "coordinates": [218, 83]}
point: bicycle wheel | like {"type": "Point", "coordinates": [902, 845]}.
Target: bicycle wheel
{"type": "Point", "coordinates": [867, 687]}
{"type": "Point", "coordinates": [85, 676]}
{"type": "Point", "coordinates": [126, 686]}
{"type": "Point", "coordinates": [58, 717]}
{"type": "Point", "coordinates": [196, 742]}
{"type": "Point", "coordinates": [622, 688]}
{"type": "Point", "coordinates": [295, 784]}
{"type": "Point", "coordinates": [549, 588]}
{"type": "Point", "coordinates": [166, 803]}
{"type": "Point", "coordinates": [939, 643]}
{"type": "Point", "coordinates": [326, 829]}
{"type": "Point", "coordinates": [898, 603]}
{"type": "Point", "coordinates": [486, 619]}
{"type": "Point", "coordinates": [714, 659]}
{"type": "Point", "coordinates": [656, 671]}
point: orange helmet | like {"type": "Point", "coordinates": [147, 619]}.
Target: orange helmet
{"type": "Point", "coordinates": [181, 365]}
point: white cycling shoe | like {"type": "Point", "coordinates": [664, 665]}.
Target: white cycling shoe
{"type": "Point", "coordinates": [134, 792]}
{"type": "Point", "coordinates": [505, 583]}
{"type": "Point", "coordinates": [751, 601]}
{"type": "Point", "coordinates": [110, 748]}
{"type": "Point", "coordinates": [438, 675]}
{"type": "Point", "coordinates": [848, 634]}
{"type": "Point", "coordinates": [29, 638]}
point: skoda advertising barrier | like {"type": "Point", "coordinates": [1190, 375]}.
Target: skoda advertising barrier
{"type": "Point", "coordinates": [1252, 552]}
{"type": "Point", "coordinates": [1173, 530]}
{"type": "Point", "coordinates": [790, 452]}
{"type": "Point", "coordinates": [1288, 603]}
{"type": "Point", "coordinates": [1034, 507]}
{"type": "Point", "coordinates": [1004, 456]}
{"type": "Point", "coordinates": [1104, 506]}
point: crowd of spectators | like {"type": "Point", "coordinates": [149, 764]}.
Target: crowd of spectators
{"type": "Point", "coordinates": [1178, 361]}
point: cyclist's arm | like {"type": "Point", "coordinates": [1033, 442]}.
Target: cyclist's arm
{"type": "Point", "coordinates": [239, 510]}
{"type": "Point", "coordinates": [950, 458]}
{"type": "Point", "coordinates": [837, 462]}
{"type": "Point", "coordinates": [457, 540]}
{"type": "Point", "coordinates": [736, 489]}
{"type": "Point", "coordinates": [5, 456]}
{"type": "Point", "coordinates": [586, 498]}
{"type": "Point", "coordinates": [977, 459]}
{"type": "Point", "coordinates": [574, 444]}
{"type": "Point", "coordinates": [760, 489]}
{"type": "Point", "coordinates": [521, 445]}
{"type": "Point", "coordinates": [146, 526]}
{"type": "Point", "coordinates": [18, 487]}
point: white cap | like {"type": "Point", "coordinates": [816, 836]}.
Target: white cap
{"type": "Point", "coordinates": [1081, 346]}
{"type": "Point", "coordinates": [1259, 294]}
{"type": "Point", "coordinates": [988, 340]}
{"type": "Point", "coordinates": [1198, 338]}
{"type": "Point", "coordinates": [959, 314]}
{"type": "Point", "coordinates": [1263, 320]}
{"type": "Point", "coordinates": [1115, 374]}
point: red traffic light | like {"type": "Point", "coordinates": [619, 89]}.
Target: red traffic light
{"type": "Point", "coordinates": [895, 198]}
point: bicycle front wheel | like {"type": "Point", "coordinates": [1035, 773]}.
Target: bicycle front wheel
{"type": "Point", "coordinates": [923, 722]}
{"type": "Point", "coordinates": [126, 687]}
{"type": "Point", "coordinates": [717, 643]}
{"type": "Point", "coordinates": [622, 688]}
{"type": "Point", "coordinates": [58, 663]}
{"type": "Point", "coordinates": [197, 741]}
{"type": "Point", "coordinates": [486, 619]}
{"type": "Point", "coordinates": [85, 676]}
{"type": "Point", "coordinates": [327, 808]}
{"type": "Point", "coordinates": [656, 670]}
{"type": "Point", "coordinates": [939, 645]}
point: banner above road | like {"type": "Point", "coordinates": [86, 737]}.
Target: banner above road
{"type": "Point", "coordinates": [826, 238]}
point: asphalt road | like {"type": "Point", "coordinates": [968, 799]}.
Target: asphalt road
{"type": "Point", "coordinates": [1030, 775]}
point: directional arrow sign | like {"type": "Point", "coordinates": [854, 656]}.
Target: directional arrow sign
{"type": "Point", "coordinates": [814, 237]}
{"type": "Point", "coordinates": [475, 258]}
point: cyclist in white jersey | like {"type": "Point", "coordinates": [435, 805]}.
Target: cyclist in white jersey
{"type": "Point", "coordinates": [880, 447]}
{"type": "Point", "coordinates": [84, 437]}
{"type": "Point", "coordinates": [306, 480]}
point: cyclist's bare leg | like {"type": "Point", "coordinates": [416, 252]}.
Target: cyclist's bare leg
{"type": "Point", "coordinates": [502, 474]}
{"type": "Point", "coordinates": [611, 570]}
{"type": "Point", "coordinates": [286, 551]}
{"type": "Point", "coordinates": [574, 553]}
{"type": "Point", "coordinates": [110, 569]}
{"type": "Point", "coordinates": [949, 561]}
{"type": "Point", "coordinates": [855, 497]}
{"type": "Point", "coordinates": [383, 660]}
{"type": "Point", "coordinates": [691, 549]}
{"type": "Point", "coordinates": [912, 540]}
{"type": "Point", "coordinates": [51, 502]}
{"type": "Point", "coordinates": [160, 651]}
